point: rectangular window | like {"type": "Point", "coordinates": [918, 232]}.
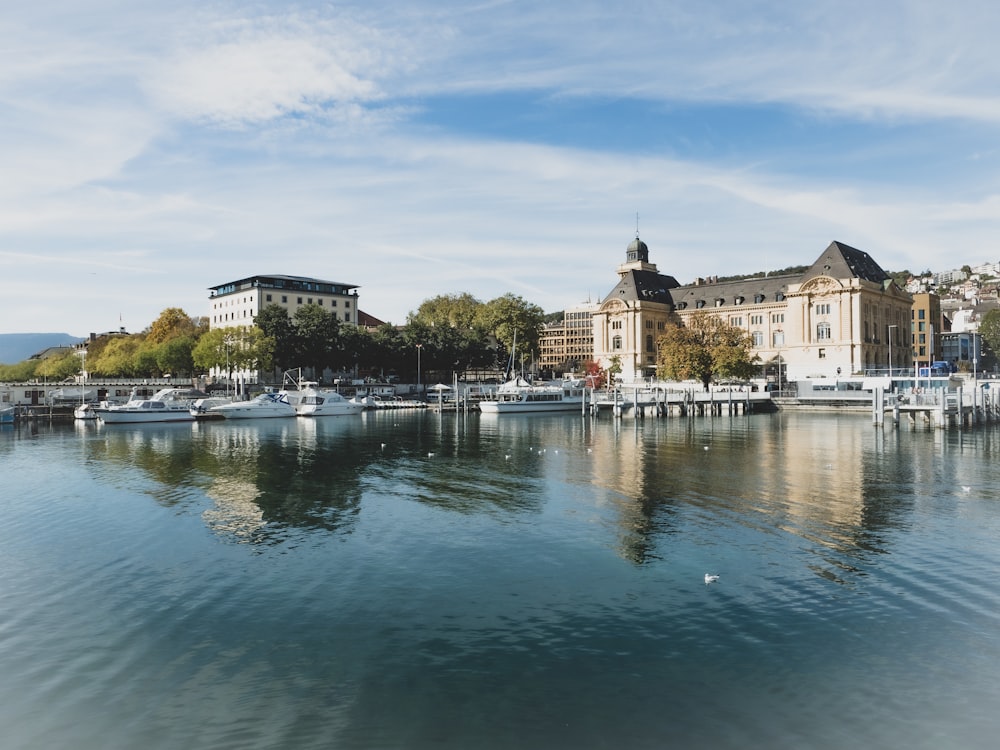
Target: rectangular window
{"type": "Point", "coordinates": [758, 339]}
{"type": "Point", "coordinates": [823, 309]}
{"type": "Point", "coordinates": [333, 303]}
{"type": "Point", "coordinates": [920, 314]}
{"type": "Point", "coordinates": [347, 303]}
{"type": "Point", "coordinates": [299, 300]}
{"type": "Point", "coordinates": [284, 298]}
{"type": "Point", "coordinates": [736, 321]}
{"type": "Point", "coordinates": [778, 318]}
{"type": "Point", "coordinates": [778, 339]}
{"type": "Point", "coordinates": [822, 353]}
{"type": "Point", "coordinates": [269, 298]}
{"type": "Point", "coordinates": [649, 324]}
{"type": "Point", "coordinates": [756, 320]}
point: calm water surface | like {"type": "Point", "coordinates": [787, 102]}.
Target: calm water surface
{"type": "Point", "coordinates": [415, 580]}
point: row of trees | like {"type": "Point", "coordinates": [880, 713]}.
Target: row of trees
{"type": "Point", "coordinates": [446, 333]}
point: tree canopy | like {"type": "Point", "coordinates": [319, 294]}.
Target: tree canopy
{"type": "Point", "coordinates": [706, 347]}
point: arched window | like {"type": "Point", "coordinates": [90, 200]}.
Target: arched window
{"type": "Point", "coordinates": [616, 343]}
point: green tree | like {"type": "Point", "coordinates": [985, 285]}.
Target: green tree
{"type": "Point", "coordinates": [316, 334]}
{"type": "Point", "coordinates": [233, 349]}
{"type": "Point", "coordinates": [454, 310]}
{"type": "Point", "coordinates": [989, 331]}
{"type": "Point", "coordinates": [20, 372]}
{"type": "Point", "coordinates": [175, 356]}
{"type": "Point", "coordinates": [117, 358]}
{"type": "Point", "coordinates": [276, 324]}
{"type": "Point", "coordinates": [704, 348]}
{"type": "Point", "coordinates": [509, 316]}
{"type": "Point", "coordinates": [59, 367]}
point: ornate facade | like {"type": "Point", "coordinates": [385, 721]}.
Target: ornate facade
{"type": "Point", "coordinates": [843, 315]}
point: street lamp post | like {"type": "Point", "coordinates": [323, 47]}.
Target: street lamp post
{"type": "Point", "coordinates": [419, 347]}
{"type": "Point", "coordinates": [890, 349]}
{"type": "Point", "coordinates": [228, 340]}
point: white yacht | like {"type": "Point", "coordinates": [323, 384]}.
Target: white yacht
{"type": "Point", "coordinates": [518, 395]}
{"type": "Point", "coordinates": [310, 401]}
{"type": "Point", "coordinates": [166, 405]}
{"type": "Point", "coordinates": [264, 406]}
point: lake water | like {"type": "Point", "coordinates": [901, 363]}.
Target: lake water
{"type": "Point", "coordinates": [416, 580]}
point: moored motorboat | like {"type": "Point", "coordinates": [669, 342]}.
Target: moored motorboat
{"type": "Point", "coordinates": [264, 406]}
{"type": "Point", "coordinates": [166, 405]}
{"type": "Point", "coordinates": [202, 408]}
{"type": "Point", "coordinates": [311, 401]}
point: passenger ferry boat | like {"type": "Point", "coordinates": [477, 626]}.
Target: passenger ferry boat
{"type": "Point", "coordinates": [518, 395]}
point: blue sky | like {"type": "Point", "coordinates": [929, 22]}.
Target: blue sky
{"type": "Point", "coordinates": [151, 150]}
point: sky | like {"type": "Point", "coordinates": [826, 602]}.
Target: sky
{"type": "Point", "coordinates": [150, 150]}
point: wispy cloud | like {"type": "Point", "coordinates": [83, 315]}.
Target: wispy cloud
{"type": "Point", "coordinates": [186, 143]}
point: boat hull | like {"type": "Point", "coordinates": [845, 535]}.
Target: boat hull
{"type": "Point", "coordinates": [246, 411]}
{"type": "Point", "coordinates": [121, 416]}
{"type": "Point", "coordinates": [517, 407]}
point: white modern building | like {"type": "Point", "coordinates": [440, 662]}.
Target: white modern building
{"type": "Point", "coordinates": [237, 303]}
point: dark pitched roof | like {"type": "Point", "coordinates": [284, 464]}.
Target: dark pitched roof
{"type": "Point", "coordinates": [752, 291]}
{"type": "Point", "coordinates": [644, 286]}
{"type": "Point", "coordinates": [843, 261]}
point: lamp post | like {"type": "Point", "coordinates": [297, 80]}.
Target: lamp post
{"type": "Point", "coordinates": [419, 347]}
{"type": "Point", "coordinates": [890, 349]}
{"type": "Point", "coordinates": [228, 340]}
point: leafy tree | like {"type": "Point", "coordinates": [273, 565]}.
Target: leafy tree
{"type": "Point", "coordinates": [59, 367]}
{"type": "Point", "coordinates": [117, 358]}
{"type": "Point", "coordinates": [276, 324]}
{"type": "Point", "coordinates": [614, 368]}
{"type": "Point", "coordinates": [595, 374]}
{"type": "Point", "coordinates": [316, 335]}
{"type": "Point", "coordinates": [173, 323]}
{"type": "Point", "coordinates": [704, 348]}
{"type": "Point", "coordinates": [175, 356]}
{"type": "Point", "coordinates": [386, 351]}
{"type": "Point", "coordinates": [509, 316]}
{"type": "Point", "coordinates": [236, 348]}
{"type": "Point", "coordinates": [20, 372]}
{"type": "Point", "coordinates": [455, 310]}
{"type": "Point", "coordinates": [989, 330]}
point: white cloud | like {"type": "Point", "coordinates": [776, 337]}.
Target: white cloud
{"type": "Point", "coordinates": [266, 69]}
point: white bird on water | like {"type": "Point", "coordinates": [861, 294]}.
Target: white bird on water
{"type": "Point", "coordinates": [966, 488]}
{"type": "Point", "coordinates": [710, 578]}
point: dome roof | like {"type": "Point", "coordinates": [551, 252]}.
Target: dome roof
{"type": "Point", "coordinates": [637, 246]}
{"type": "Point", "coordinates": [637, 251]}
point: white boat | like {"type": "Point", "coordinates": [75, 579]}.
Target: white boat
{"type": "Point", "coordinates": [264, 406]}
{"type": "Point", "coordinates": [518, 395]}
{"type": "Point", "coordinates": [202, 407]}
{"type": "Point", "coordinates": [310, 401]}
{"type": "Point", "coordinates": [6, 414]}
{"type": "Point", "coordinates": [166, 405]}
{"type": "Point", "coordinates": [85, 411]}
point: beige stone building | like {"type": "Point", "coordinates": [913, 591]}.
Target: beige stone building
{"type": "Point", "coordinates": [842, 316]}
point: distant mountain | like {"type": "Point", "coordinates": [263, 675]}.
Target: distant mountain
{"type": "Point", "coordinates": [17, 347]}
